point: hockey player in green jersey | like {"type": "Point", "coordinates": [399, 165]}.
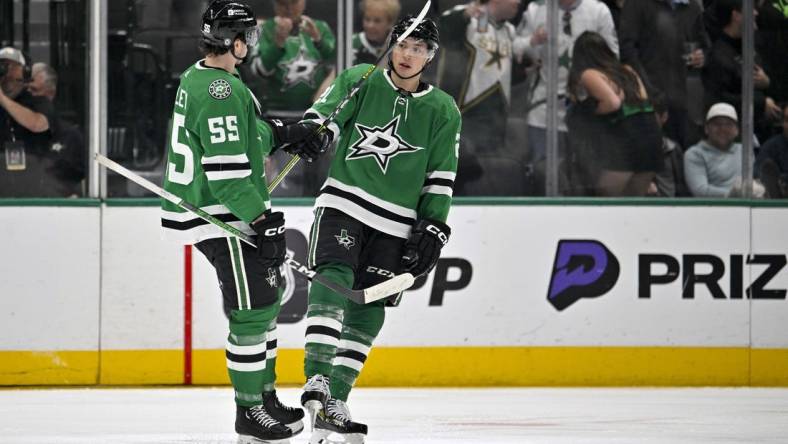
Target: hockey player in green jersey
{"type": "Point", "coordinates": [215, 162]}
{"type": "Point", "coordinates": [295, 54]}
{"type": "Point", "coordinates": [381, 211]}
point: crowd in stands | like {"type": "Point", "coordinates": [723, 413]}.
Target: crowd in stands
{"type": "Point", "coordinates": [649, 92]}
{"type": "Point", "coordinates": [640, 88]}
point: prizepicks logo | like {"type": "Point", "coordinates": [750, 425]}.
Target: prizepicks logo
{"type": "Point", "coordinates": [582, 269]}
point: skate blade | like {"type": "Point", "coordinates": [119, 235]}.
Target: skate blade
{"type": "Point", "coordinates": [312, 407]}
{"type": "Point", "coordinates": [248, 439]}
{"type": "Point", "coordinates": [321, 436]}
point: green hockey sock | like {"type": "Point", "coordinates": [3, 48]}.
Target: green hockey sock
{"type": "Point", "coordinates": [324, 319]}
{"type": "Point", "coordinates": [246, 353]}
{"type": "Point", "coordinates": [362, 323]}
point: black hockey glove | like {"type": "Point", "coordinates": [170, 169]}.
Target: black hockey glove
{"type": "Point", "coordinates": [271, 239]}
{"type": "Point", "coordinates": [301, 138]}
{"type": "Point", "coordinates": [423, 247]}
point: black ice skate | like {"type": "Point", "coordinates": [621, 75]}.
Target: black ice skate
{"type": "Point", "coordinates": [315, 396]}
{"type": "Point", "coordinates": [255, 425]}
{"type": "Point", "coordinates": [334, 425]}
{"type": "Point", "coordinates": [289, 416]}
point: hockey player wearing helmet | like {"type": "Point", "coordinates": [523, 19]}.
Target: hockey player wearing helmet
{"type": "Point", "coordinates": [382, 211]}
{"type": "Point", "coordinates": [215, 162]}
{"type": "Point", "coordinates": [411, 56]}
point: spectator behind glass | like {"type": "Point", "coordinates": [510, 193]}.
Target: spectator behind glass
{"type": "Point", "coordinates": [722, 76]}
{"type": "Point", "coordinates": [670, 181]}
{"type": "Point", "coordinates": [475, 68]}
{"type": "Point", "coordinates": [577, 17]}
{"type": "Point", "coordinates": [67, 146]}
{"type": "Point", "coordinates": [662, 40]}
{"type": "Point", "coordinates": [713, 167]}
{"type": "Point", "coordinates": [629, 148]}
{"type": "Point", "coordinates": [771, 165]}
{"type": "Point", "coordinates": [24, 128]}
{"type": "Point", "coordinates": [378, 18]}
{"type": "Point", "coordinates": [43, 82]}
{"type": "Point", "coordinates": [295, 55]}
{"type": "Point", "coordinates": [24, 118]}
{"type": "Point", "coordinates": [771, 42]}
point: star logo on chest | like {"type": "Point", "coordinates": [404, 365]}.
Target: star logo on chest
{"type": "Point", "coordinates": [495, 57]}
{"type": "Point", "coordinates": [381, 144]}
{"type": "Point", "coordinates": [299, 69]}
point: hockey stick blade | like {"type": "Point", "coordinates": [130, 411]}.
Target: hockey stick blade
{"type": "Point", "coordinates": [397, 284]}
{"type": "Point", "coordinates": [358, 296]}
{"type": "Point", "coordinates": [353, 90]}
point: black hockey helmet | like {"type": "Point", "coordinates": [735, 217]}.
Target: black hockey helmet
{"type": "Point", "coordinates": [427, 31]}
{"type": "Point", "coordinates": [226, 20]}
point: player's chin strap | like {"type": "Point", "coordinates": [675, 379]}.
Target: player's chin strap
{"type": "Point", "coordinates": [242, 59]}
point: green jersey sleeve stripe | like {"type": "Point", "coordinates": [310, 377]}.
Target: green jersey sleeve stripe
{"type": "Point", "coordinates": [438, 189]}
{"type": "Point", "coordinates": [183, 215]}
{"type": "Point", "coordinates": [450, 175]}
{"type": "Point", "coordinates": [227, 174]}
{"type": "Point", "coordinates": [237, 158]}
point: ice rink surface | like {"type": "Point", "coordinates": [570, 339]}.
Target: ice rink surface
{"type": "Point", "coordinates": [410, 416]}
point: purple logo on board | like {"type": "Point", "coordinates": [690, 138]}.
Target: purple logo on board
{"type": "Point", "coordinates": [582, 269]}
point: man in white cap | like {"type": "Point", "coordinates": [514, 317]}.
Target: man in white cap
{"type": "Point", "coordinates": [713, 166]}
{"type": "Point", "coordinates": [24, 119]}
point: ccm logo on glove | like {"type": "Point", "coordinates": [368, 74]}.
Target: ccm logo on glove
{"type": "Point", "coordinates": [440, 234]}
{"type": "Point", "coordinates": [274, 231]}
{"type": "Point", "coordinates": [423, 247]}
{"type": "Point", "coordinates": [270, 241]}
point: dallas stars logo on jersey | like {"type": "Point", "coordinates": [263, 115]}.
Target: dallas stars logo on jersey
{"type": "Point", "coordinates": [272, 278]}
{"type": "Point", "coordinates": [220, 89]}
{"type": "Point", "coordinates": [380, 143]}
{"type": "Point", "coordinates": [300, 69]}
{"type": "Point", "coordinates": [344, 240]}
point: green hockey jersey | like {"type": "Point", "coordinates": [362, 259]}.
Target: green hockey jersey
{"type": "Point", "coordinates": [215, 155]}
{"type": "Point", "coordinates": [397, 152]}
{"type": "Point", "coordinates": [297, 69]}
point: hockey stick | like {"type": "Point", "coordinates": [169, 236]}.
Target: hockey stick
{"type": "Point", "coordinates": [353, 90]}
{"type": "Point", "coordinates": [392, 286]}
